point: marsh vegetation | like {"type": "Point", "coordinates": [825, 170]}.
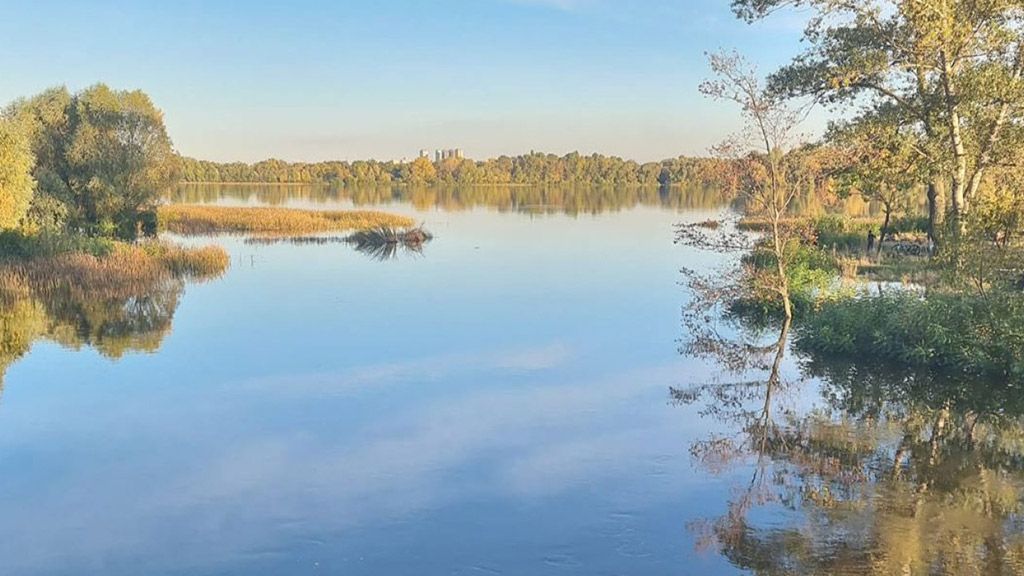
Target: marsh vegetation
{"type": "Point", "coordinates": [200, 220]}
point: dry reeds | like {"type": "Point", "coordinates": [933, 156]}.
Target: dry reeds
{"type": "Point", "coordinates": [128, 271]}
{"type": "Point", "coordinates": [383, 242]}
{"type": "Point", "coordinates": [197, 220]}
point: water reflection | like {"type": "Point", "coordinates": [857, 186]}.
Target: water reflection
{"type": "Point", "coordinates": [890, 472]}
{"type": "Point", "coordinates": [75, 307]}
{"type": "Point", "coordinates": [533, 199]}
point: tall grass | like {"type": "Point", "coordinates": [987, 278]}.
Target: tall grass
{"type": "Point", "coordinates": [197, 220]}
{"type": "Point", "coordinates": [383, 242]}
{"type": "Point", "coordinates": [128, 271]}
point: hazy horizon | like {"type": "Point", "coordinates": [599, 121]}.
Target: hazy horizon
{"type": "Point", "coordinates": [313, 81]}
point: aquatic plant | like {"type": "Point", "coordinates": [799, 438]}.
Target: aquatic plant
{"type": "Point", "coordinates": [384, 242]}
{"type": "Point", "coordinates": [129, 270]}
{"type": "Point", "coordinates": [198, 220]}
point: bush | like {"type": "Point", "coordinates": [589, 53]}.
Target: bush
{"type": "Point", "coordinates": [968, 335]}
{"type": "Point", "coordinates": [910, 225]}
{"type": "Point", "coordinates": [811, 274]}
{"type": "Point", "coordinates": [841, 233]}
{"type": "Point", "coordinates": [16, 245]}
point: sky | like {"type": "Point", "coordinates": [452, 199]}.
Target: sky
{"type": "Point", "coordinates": [318, 80]}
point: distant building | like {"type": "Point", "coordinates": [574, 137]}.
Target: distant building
{"type": "Point", "coordinates": [441, 155]}
{"type": "Point", "coordinates": [424, 153]}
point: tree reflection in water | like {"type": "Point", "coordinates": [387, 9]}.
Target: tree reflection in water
{"type": "Point", "coordinates": [129, 313]}
{"type": "Point", "coordinates": [892, 472]}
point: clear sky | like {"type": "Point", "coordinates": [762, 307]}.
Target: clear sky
{"type": "Point", "coordinates": [350, 79]}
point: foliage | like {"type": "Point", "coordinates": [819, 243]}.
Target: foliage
{"type": "Point", "coordinates": [841, 233]}
{"type": "Point", "coordinates": [811, 275]}
{"type": "Point", "coordinates": [48, 125]}
{"type": "Point", "coordinates": [884, 162]}
{"type": "Point", "coordinates": [16, 244]}
{"type": "Point", "coordinates": [16, 185]}
{"type": "Point", "coordinates": [194, 220]}
{"type": "Point", "coordinates": [533, 168]}
{"type": "Point", "coordinates": [948, 70]}
{"type": "Point", "coordinates": [103, 154]}
{"type": "Point", "coordinates": [968, 335]}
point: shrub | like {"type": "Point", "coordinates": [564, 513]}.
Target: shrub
{"type": "Point", "coordinates": [969, 335]}
{"type": "Point", "coordinates": [811, 274]}
{"type": "Point", "coordinates": [841, 233]}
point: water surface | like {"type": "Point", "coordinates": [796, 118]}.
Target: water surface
{"type": "Point", "coordinates": [512, 401]}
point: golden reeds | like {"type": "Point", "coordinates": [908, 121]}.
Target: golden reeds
{"type": "Point", "coordinates": [196, 219]}
{"type": "Point", "coordinates": [130, 270]}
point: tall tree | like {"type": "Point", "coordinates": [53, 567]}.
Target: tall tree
{"type": "Point", "coordinates": [46, 118]}
{"type": "Point", "coordinates": [952, 66]}
{"type": "Point", "coordinates": [765, 158]}
{"type": "Point", "coordinates": [103, 157]}
{"type": "Point", "coordinates": [16, 184]}
{"type": "Point", "coordinates": [120, 159]}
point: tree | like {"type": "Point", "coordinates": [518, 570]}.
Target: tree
{"type": "Point", "coordinates": [47, 122]}
{"type": "Point", "coordinates": [951, 66]}
{"type": "Point", "coordinates": [120, 159]}
{"type": "Point", "coordinates": [16, 184]}
{"type": "Point", "coordinates": [885, 162]}
{"type": "Point", "coordinates": [764, 158]}
{"type": "Point", "coordinates": [103, 157]}
{"type": "Point", "coordinates": [422, 170]}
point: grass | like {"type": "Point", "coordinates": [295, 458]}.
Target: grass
{"type": "Point", "coordinates": [198, 220]}
{"type": "Point", "coordinates": [127, 271]}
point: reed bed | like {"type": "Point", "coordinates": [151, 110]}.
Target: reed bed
{"type": "Point", "coordinates": [199, 220]}
{"type": "Point", "coordinates": [201, 263]}
{"type": "Point", "coordinates": [296, 240]}
{"type": "Point", "coordinates": [129, 271]}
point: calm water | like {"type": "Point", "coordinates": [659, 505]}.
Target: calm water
{"type": "Point", "coordinates": [512, 401]}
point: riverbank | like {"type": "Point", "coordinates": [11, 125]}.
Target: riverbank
{"type": "Point", "coordinates": [958, 313]}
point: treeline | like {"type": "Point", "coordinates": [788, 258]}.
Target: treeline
{"type": "Point", "coordinates": [531, 199]}
{"type": "Point", "coordinates": [534, 168]}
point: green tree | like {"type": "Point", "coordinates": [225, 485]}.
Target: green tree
{"type": "Point", "coordinates": [16, 184]}
{"type": "Point", "coordinates": [953, 67]}
{"type": "Point", "coordinates": [103, 158]}
{"type": "Point", "coordinates": [120, 159]}
{"type": "Point", "coordinates": [46, 118]}
{"type": "Point", "coordinates": [885, 163]}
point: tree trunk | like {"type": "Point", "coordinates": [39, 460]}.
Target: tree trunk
{"type": "Point", "coordinates": [885, 229]}
{"type": "Point", "coordinates": [936, 210]}
{"type": "Point", "coordinates": [959, 180]}
{"type": "Point", "coordinates": [780, 249]}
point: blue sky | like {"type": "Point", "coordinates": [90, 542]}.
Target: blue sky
{"type": "Point", "coordinates": [349, 79]}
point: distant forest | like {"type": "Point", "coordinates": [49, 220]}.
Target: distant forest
{"type": "Point", "coordinates": [535, 168]}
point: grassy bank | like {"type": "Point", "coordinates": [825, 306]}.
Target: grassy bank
{"type": "Point", "coordinates": [960, 320]}
{"type": "Point", "coordinates": [198, 220]}
{"type": "Point", "coordinates": [108, 269]}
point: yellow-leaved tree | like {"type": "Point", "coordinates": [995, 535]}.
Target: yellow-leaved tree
{"type": "Point", "coordinates": [16, 184]}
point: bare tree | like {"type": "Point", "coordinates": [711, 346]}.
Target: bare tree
{"type": "Point", "coordinates": [765, 155]}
